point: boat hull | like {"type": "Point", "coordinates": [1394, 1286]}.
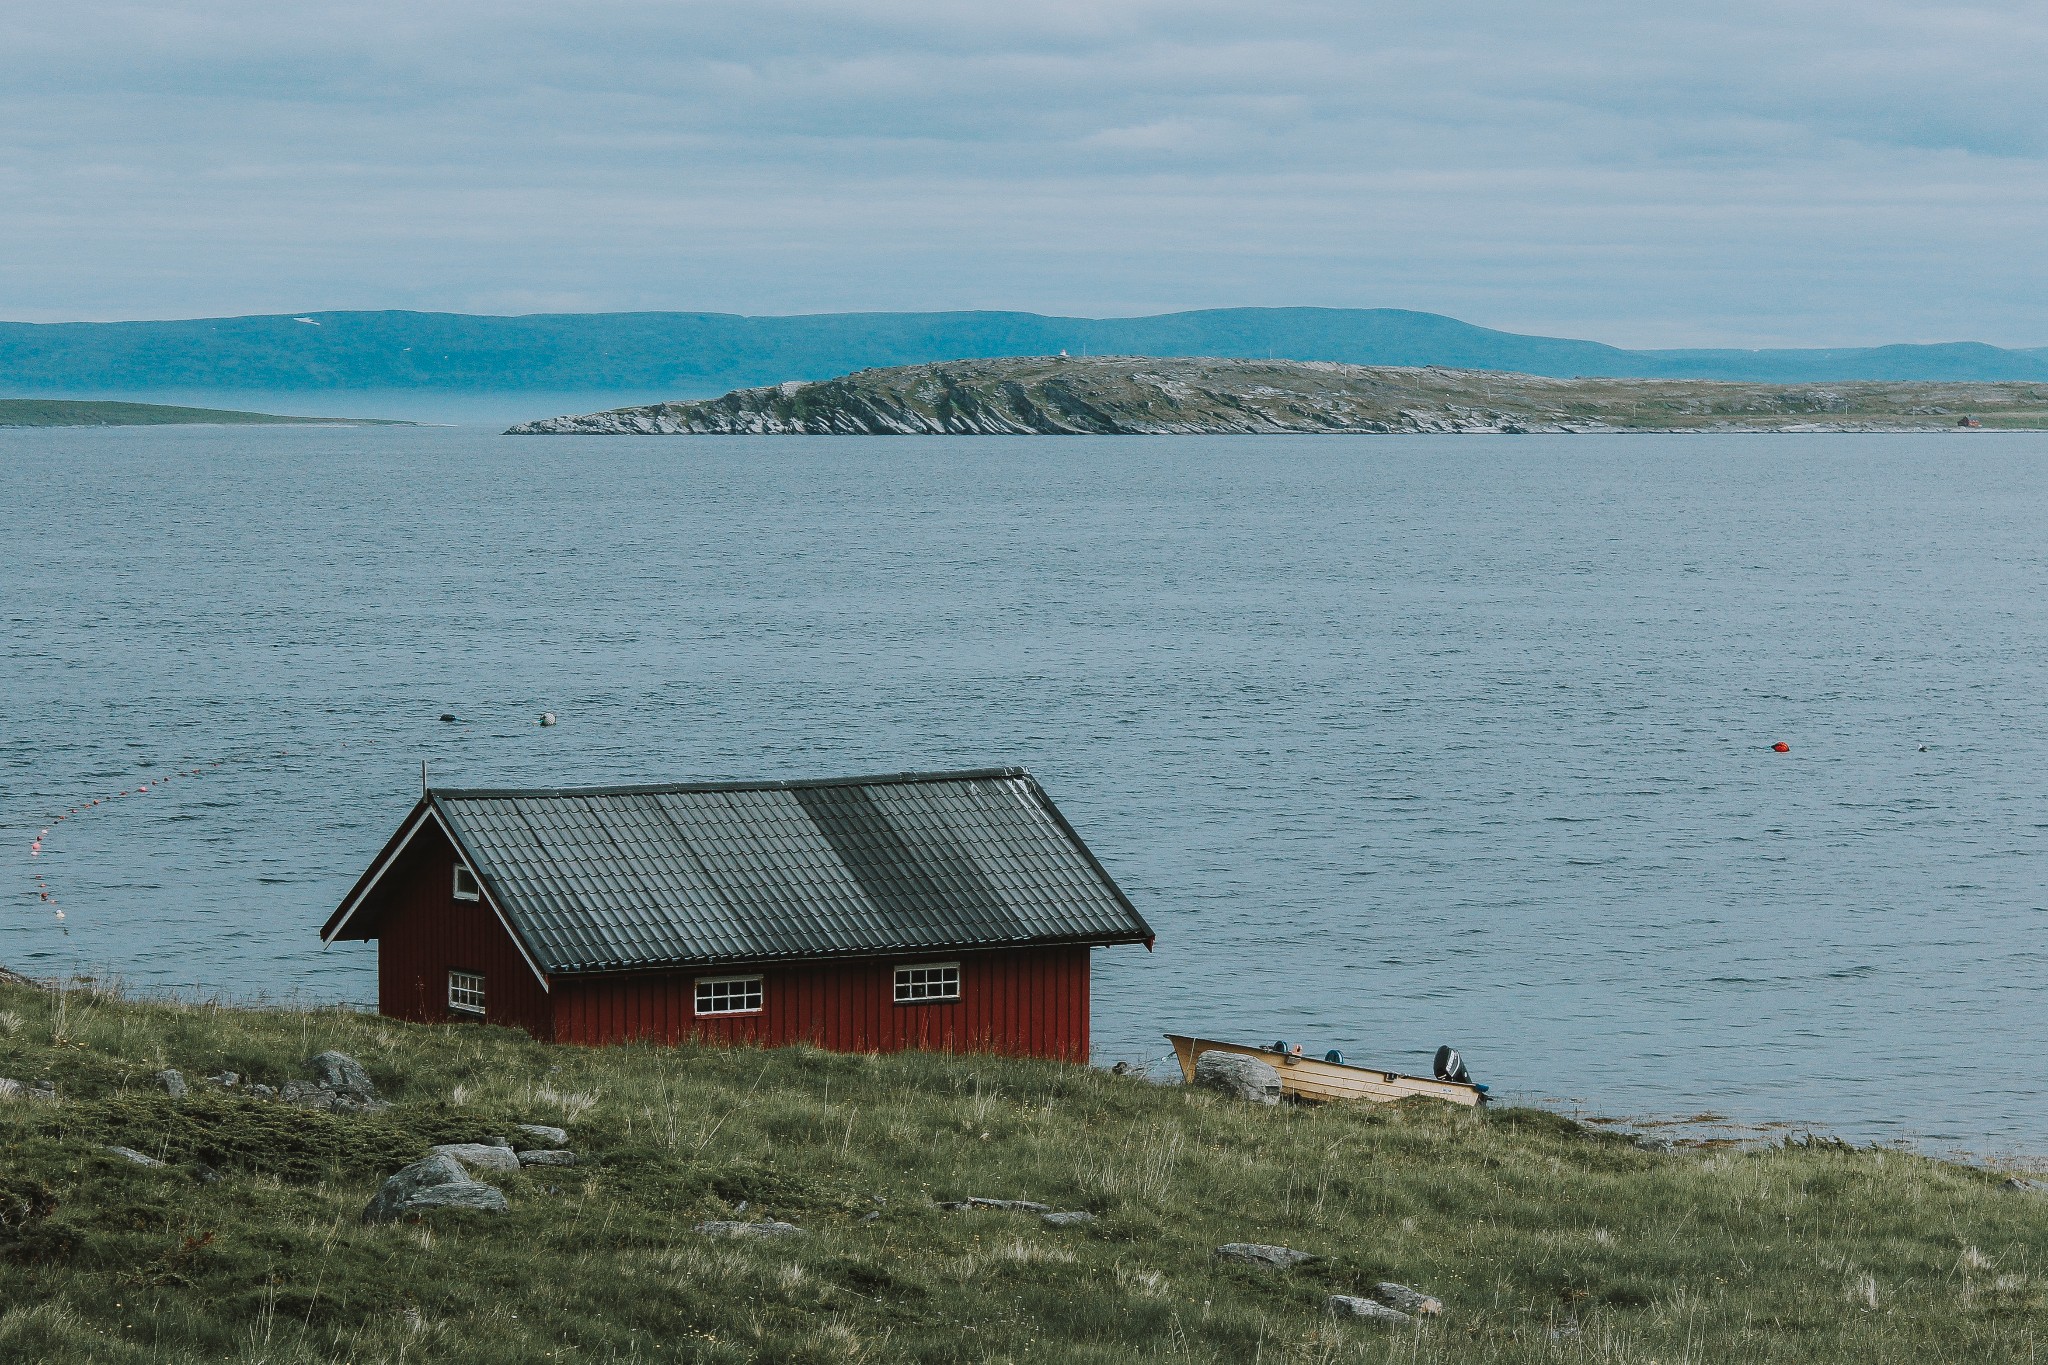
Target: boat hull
{"type": "Point", "coordinates": [1320, 1082]}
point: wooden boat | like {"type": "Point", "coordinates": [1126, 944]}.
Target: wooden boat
{"type": "Point", "coordinates": [1318, 1082]}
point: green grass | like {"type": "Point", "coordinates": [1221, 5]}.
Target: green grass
{"type": "Point", "coordinates": [1520, 1221]}
{"type": "Point", "coordinates": [60, 412]}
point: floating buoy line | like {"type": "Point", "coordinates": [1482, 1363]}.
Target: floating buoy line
{"type": "Point", "coordinates": [35, 845]}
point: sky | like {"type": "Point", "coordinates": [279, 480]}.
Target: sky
{"type": "Point", "coordinates": [1737, 174]}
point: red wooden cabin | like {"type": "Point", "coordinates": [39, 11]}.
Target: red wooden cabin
{"type": "Point", "coordinates": [927, 910]}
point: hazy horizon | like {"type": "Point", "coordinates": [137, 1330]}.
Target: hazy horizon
{"type": "Point", "coordinates": [1758, 176]}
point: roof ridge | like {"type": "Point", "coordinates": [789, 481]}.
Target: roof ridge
{"type": "Point", "coordinates": [764, 784]}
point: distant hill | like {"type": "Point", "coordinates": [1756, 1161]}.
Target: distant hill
{"type": "Point", "coordinates": [702, 354]}
{"type": "Point", "coordinates": [57, 412]}
{"type": "Point", "coordinates": [1153, 395]}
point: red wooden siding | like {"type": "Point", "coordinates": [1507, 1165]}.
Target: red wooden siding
{"type": "Point", "coordinates": [1027, 1002]}
{"type": "Point", "coordinates": [424, 933]}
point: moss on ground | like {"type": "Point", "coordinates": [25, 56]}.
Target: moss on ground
{"type": "Point", "coordinates": [1546, 1241]}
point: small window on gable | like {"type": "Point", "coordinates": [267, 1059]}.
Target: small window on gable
{"type": "Point", "coordinates": [728, 995]}
{"type": "Point", "coordinates": [927, 981]}
{"type": "Point", "coordinates": [466, 992]}
{"type": "Point", "coordinates": [466, 888]}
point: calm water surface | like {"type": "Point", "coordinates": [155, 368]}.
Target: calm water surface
{"type": "Point", "coordinates": [1396, 741]}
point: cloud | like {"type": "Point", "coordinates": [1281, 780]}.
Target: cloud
{"type": "Point", "coordinates": [1747, 173]}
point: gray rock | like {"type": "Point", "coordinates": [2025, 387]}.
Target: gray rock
{"type": "Point", "coordinates": [1066, 1220]}
{"type": "Point", "coordinates": [1014, 1205]}
{"type": "Point", "coordinates": [496, 1140]}
{"type": "Point", "coordinates": [1260, 1254]}
{"type": "Point", "coordinates": [227, 1080]}
{"type": "Point", "coordinates": [45, 1093]}
{"type": "Point", "coordinates": [343, 1074]}
{"type": "Point", "coordinates": [1410, 1301]}
{"type": "Point", "coordinates": [130, 1154]}
{"type": "Point", "coordinates": [540, 1134]}
{"type": "Point", "coordinates": [308, 1095]}
{"type": "Point", "coordinates": [2019, 1184]}
{"type": "Point", "coordinates": [769, 1229]}
{"type": "Point", "coordinates": [541, 1157]}
{"type": "Point", "coordinates": [1350, 1306]}
{"type": "Point", "coordinates": [473, 1195]}
{"type": "Point", "coordinates": [477, 1154]}
{"type": "Point", "coordinates": [1238, 1076]}
{"type": "Point", "coordinates": [9, 1089]}
{"type": "Point", "coordinates": [438, 1182]}
{"type": "Point", "coordinates": [262, 1092]}
{"type": "Point", "coordinates": [407, 1181]}
{"type": "Point", "coordinates": [173, 1082]}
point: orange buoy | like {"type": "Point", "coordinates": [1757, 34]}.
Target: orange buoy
{"type": "Point", "coordinates": [1781, 747]}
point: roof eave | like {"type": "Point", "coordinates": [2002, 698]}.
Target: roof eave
{"type": "Point", "coordinates": [684, 964]}
{"type": "Point", "coordinates": [379, 865]}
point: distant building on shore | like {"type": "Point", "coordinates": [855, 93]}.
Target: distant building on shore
{"type": "Point", "coordinates": [953, 911]}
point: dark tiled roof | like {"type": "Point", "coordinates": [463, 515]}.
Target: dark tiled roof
{"type": "Point", "coordinates": [641, 876]}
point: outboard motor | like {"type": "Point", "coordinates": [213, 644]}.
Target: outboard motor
{"type": "Point", "coordinates": [1450, 1066]}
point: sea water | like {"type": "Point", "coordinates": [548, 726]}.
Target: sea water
{"type": "Point", "coordinates": [1395, 741]}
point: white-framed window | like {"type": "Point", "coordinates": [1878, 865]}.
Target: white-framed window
{"type": "Point", "coordinates": [466, 888]}
{"type": "Point", "coordinates": [466, 992]}
{"type": "Point", "coordinates": [927, 981]}
{"type": "Point", "coordinates": [728, 995]}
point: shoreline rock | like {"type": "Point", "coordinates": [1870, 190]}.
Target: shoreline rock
{"type": "Point", "coordinates": [1238, 1076]}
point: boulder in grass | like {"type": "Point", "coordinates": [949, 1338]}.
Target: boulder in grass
{"type": "Point", "coordinates": [130, 1154]}
{"type": "Point", "coordinates": [173, 1083]}
{"type": "Point", "coordinates": [1264, 1256]}
{"type": "Point", "coordinates": [479, 1155]}
{"type": "Point", "coordinates": [309, 1095]}
{"type": "Point", "coordinates": [473, 1195]}
{"type": "Point", "coordinates": [538, 1135]}
{"type": "Point", "coordinates": [768, 1229]}
{"type": "Point", "coordinates": [1013, 1205]}
{"type": "Point", "coordinates": [9, 1089]}
{"type": "Point", "coordinates": [1238, 1076]}
{"type": "Point", "coordinates": [438, 1182]}
{"type": "Point", "coordinates": [1066, 1220]}
{"type": "Point", "coordinates": [1351, 1306]}
{"type": "Point", "coordinates": [545, 1157]}
{"type": "Point", "coordinates": [1413, 1302]}
{"type": "Point", "coordinates": [344, 1075]}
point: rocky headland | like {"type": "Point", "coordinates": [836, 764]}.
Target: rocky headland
{"type": "Point", "coordinates": [1138, 395]}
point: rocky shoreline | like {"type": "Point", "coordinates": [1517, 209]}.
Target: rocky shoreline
{"type": "Point", "coordinates": [1137, 395]}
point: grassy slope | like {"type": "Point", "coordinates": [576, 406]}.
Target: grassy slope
{"type": "Point", "coordinates": [1518, 1220]}
{"type": "Point", "coordinates": [63, 412]}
